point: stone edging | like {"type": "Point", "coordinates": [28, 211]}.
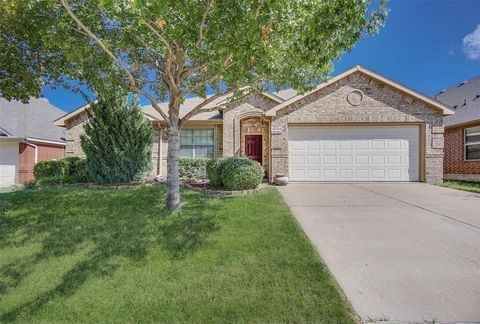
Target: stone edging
{"type": "Point", "coordinates": [225, 193]}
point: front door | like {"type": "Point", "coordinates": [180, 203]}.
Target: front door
{"type": "Point", "coordinates": [253, 147]}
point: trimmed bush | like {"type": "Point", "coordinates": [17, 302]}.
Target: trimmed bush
{"type": "Point", "coordinates": [240, 173]}
{"type": "Point", "coordinates": [76, 171]}
{"type": "Point", "coordinates": [67, 170]}
{"type": "Point", "coordinates": [48, 169]}
{"type": "Point", "coordinates": [214, 171]}
{"type": "Point", "coordinates": [193, 168]}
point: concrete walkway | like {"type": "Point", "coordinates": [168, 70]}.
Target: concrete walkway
{"type": "Point", "coordinates": [401, 252]}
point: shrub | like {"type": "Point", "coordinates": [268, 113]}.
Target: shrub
{"type": "Point", "coordinates": [240, 173]}
{"type": "Point", "coordinates": [48, 169]}
{"type": "Point", "coordinates": [214, 171]}
{"type": "Point", "coordinates": [67, 170]}
{"type": "Point", "coordinates": [30, 184]}
{"type": "Point", "coordinates": [117, 141]}
{"type": "Point", "coordinates": [193, 168]}
{"type": "Point", "coordinates": [76, 171]}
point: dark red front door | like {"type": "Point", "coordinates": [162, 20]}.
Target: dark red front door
{"type": "Point", "coordinates": [253, 147]}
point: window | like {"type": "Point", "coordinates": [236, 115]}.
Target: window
{"type": "Point", "coordinates": [196, 143]}
{"type": "Point", "coordinates": [472, 143]}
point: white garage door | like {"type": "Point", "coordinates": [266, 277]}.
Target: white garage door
{"type": "Point", "coordinates": [8, 163]}
{"type": "Point", "coordinates": [354, 153]}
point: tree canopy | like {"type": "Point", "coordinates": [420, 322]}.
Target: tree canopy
{"type": "Point", "coordinates": [185, 46]}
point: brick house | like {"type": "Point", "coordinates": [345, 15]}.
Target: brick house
{"type": "Point", "coordinates": [462, 131]}
{"type": "Point", "coordinates": [27, 136]}
{"type": "Point", "coordinates": [358, 126]}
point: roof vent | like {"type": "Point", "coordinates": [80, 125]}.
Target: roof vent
{"type": "Point", "coordinates": [477, 96]}
{"type": "Point", "coordinates": [455, 106]}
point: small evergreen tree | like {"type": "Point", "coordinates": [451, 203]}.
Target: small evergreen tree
{"type": "Point", "coordinates": [118, 141]}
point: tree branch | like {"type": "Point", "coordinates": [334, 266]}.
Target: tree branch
{"type": "Point", "coordinates": [202, 84]}
{"type": "Point", "coordinates": [99, 42]}
{"type": "Point", "coordinates": [169, 61]}
{"type": "Point", "coordinates": [198, 109]}
{"type": "Point", "coordinates": [155, 105]}
{"type": "Point", "coordinates": [202, 23]}
{"type": "Point", "coordinates": [226, 65]}
{"type": "Point", "coordinates": [189, 71]}
{"type": "Point", "coordinates": [160, 36]}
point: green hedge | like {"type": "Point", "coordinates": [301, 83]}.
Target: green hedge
{"type": "Point", "coordinates": [67, 170]}
{"type": "Point", "coordinates": [48, 169]}
{"type": "Point", "coordinates": [193, 168]}
{"type": "Point", "coordinates": [76, 170]}
{"type": "Point", "coordinates": [235, 173]}
{"type": "Point", "coordinates": [214, 171]}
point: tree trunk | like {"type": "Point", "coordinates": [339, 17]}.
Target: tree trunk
{"type": "Point", "coordinates": [173, 175]}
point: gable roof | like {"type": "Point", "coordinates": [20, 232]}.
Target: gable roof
{"type": "Point", "coordinates": [464, 98]}
{"type": "Point", "coordinates": [32, 120]}
{"type": "Point", "coordinates": [446, 109]}
{"type": "Point", "coordinates": [186, 107]}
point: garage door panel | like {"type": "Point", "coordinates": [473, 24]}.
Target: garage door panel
{"type": "Point", "coordinates": [362, 174]}
{"type": "Point", "coordinates": [329, 159]}
{"type": "Point", "coordinates": [8, 164]}
{"type": "Point", "coordinates": [361, 145]}
{"type": "Point", "coordinates": [330, 174]}
{"type": "Point", "coordinates": [354, 153]}
{"type": "Point", "coordinates": [345, 159]}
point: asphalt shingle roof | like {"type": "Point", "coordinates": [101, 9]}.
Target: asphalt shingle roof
{"type": "Point", "coordinates": [192, 102]}
{"type": "Point", "coordinates": [34, 120]}
{"type": "Point", "coordinates": [464, 98]}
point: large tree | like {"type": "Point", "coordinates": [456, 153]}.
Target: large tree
{"type": "Point", "coordinates": [168, 49]}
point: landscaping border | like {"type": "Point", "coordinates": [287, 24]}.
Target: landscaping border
{"type": "Point", "coordinates": [225, 193]}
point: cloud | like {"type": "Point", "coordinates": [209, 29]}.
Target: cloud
{"type": "Point", "coordinates": [471, 44]}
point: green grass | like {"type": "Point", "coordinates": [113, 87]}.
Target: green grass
{"type": "Point", "coordinates": [461, 185]}
{"type": "Point", "coordinates": [107, 255]}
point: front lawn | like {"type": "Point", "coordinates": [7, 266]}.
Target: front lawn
{"type": "Point", "coordinates": [461, 185]}
{"type": "Point", "coordinates": [114, 255]}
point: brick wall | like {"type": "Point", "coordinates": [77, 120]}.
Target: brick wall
{"type": "Point", "coordinates": [455, 166]}
{"type": "Point", "coordinates": [381, 104]}
{"type": "Point", "coordinates": [26, 160]}
{"type": "Point", "coordinates": [74, 131]}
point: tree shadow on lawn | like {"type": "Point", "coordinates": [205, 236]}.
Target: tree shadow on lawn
{"type": "Point", "coordinates": [115, 223]}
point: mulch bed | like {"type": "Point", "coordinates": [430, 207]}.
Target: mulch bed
{"type": "Point", "coordinates": [206, 187]}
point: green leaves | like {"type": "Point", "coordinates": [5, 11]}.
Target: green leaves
{"type": "Point", "coordinates": [161, 43]}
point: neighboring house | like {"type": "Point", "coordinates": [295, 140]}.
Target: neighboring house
{"type": "Point", "coordinates": [462, 131]}
{"type": "Point", "coordinates": [27, 136]}
{"type": "Point", "coordinates": [358, 126]}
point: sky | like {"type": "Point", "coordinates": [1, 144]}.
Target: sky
{"type": "Point", "coordinates": [427, 45]}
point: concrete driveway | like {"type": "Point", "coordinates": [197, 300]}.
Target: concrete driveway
{"type": "Point", "coordinates": [401, 252]}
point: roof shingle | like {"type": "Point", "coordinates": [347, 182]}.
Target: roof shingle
{"type": "Point", "coordinates": [464, 98]}
{"type": "Point", "coordinates": [34, 120]}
